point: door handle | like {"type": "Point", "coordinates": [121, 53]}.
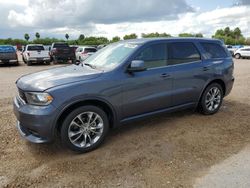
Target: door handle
{"type": "Point", "coordinates": [206, 68]}
{"type": "Point", "coordinates": [165, 75]}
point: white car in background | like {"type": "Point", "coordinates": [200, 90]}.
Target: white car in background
{"type": "Point", "coordinates": [83, 52]}
{"type": "Point", "coordinates": [242, 53]}
{"type": "Point", "coordinates": [35, 53]}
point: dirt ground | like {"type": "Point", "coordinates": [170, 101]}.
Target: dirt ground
{"type": "Point", "coordinates": [166, 151]}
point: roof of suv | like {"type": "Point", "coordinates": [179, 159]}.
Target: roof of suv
{"type": "Point", "coordinates": [145, 40]}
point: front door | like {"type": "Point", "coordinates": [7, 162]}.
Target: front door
{"type": "Point", "coordinates": [149, 90]}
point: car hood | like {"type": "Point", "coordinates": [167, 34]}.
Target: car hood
{"type": "Point", "coordinates": [44, 80]}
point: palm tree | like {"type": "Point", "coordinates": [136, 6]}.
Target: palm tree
{"type": "Point", "coordinates": [81, 37]}
{"type": "Point", "coordinates": [26, 36]}
{"type": "Point", "coordinates": [67, 36]}
{"type": "Point", "coordinates": [37, 35]}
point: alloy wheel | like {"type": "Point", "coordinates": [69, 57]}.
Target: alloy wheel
{"type": "Point", "coordinates": [85, 129]}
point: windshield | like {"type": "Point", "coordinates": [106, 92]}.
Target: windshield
{"type": "Point", "coordinates": [89, 50]}
{"type": "Point", "coordinates": [111, 56]}
{"type": "Point", "coordinates": [6, 49]}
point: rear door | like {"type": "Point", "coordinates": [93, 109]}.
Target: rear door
{"type": "Point", "coordinates": [189, 74]}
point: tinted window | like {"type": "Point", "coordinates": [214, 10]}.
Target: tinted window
{"type": "Point", "coordinates": [87, 50]}
{"type": "Point", "coordinates": [6, 49]}
{"type": "Point", "coordinates": [246, 49]}
{"type": "Point", "coordinates": [61, 45]}
{"type": "Point", "coordinates": [214, 50]}
{"type": "Point", "coordinates": [182, 52]}
{"type": "Point", "coordinates": [79, 50]}
{"type": "Point", "coordinates": [35, 48]}
{"type": "Point", "coordinates": [153, 56]}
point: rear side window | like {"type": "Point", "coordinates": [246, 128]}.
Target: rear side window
{"type": "Point", "coordinates": [87, 50]}
{"type": "Point", "coordinates": [153, 56]}
{"type": "Point", "coordinates": [61, 45]}
{"type": "Point", "coordinates": [35, 48]}
{"type": "Point", "coordinates": [182, 52]}
{"type": "Point", "coordinates": [79, 50]}
{"type": "Point", "coordinates": [214, 50]}
{"type": "Point", "coordinates": [245, 49]}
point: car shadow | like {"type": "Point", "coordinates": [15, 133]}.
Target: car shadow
{"type": "Point", "coordinates": [231, 121]}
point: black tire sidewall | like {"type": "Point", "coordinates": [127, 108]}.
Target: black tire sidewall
{"type": "Point", "coordinates": [204, 109]}
{"type": "Point", "coordinates": [71, 116]}
{"type": "Point", "coordinates": [237, 56]}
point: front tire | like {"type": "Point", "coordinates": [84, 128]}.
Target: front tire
{"type": "Point", "coordinates": [237, 56]}
{"type": "Point", "coordinates": [84, 129]}
{"type": "Point", "coordinates": [211, 99]}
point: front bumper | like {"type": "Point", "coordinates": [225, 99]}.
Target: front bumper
{"type": "Point", "coordinates": [35, 123]}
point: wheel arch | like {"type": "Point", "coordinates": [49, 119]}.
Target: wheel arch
{"type": "Point", "coordinates": [218, 81]}
{"type": "Point", "coordinates": [105, 106]}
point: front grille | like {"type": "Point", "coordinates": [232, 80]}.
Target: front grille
{"type": "Point", "coordinates": [22, 95]}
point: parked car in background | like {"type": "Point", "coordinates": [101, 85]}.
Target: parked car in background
{"type": "Point", "coordinates": [8, 55]}
{"type": "Point", "coordinates": [122, 82]}
{"type": "Point", "coordinates": [35, 53]}
{"type": "Point", "coordinates": [83, 52]}
{"type": "Point", "coordinates": [231, 49]}
{"type": "Point", "coordinates": [61, 51]}
{"type": "Point", "coordinates": [242, 53]}
{"type": "Point", "coordinates": [74, 48]}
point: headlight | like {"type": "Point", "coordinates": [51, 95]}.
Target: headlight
{"type": "Point", "coordinates": [39, 99]}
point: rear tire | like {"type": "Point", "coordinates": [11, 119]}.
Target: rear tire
{"type": "Point", "coordinates": [84, 129]}
{"type": "Point", "coordinates": [55, 61]}
{"type": "Point", "coordinates": [24, 61]}
{"type": "Point", "coordinates": [211, 99]}
{"type": "Point", "coordinates": [29, 63]}
{"type": "Point", "coordinates": [16, 63]}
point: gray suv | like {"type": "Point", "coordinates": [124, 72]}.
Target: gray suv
{"type": "Point", "coordinates": [122, 82]}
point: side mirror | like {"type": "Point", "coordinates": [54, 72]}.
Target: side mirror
{"type": "Point", "coordinates": [137, 66]}
{"type": "Point", "coordinates": [49, 48]}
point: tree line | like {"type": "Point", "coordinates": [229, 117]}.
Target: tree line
{"type": "Point", "coordinates": [230, 37]}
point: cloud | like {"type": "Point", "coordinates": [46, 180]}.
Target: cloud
{"type": "Point", "coordinates": [53, 13]}
{"type": "Point", "coordinates": [196, 22]}
{"type": "Point", "coordinates": [108, 18]}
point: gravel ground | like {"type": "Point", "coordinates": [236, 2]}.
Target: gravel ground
{"type": "Point", "coordinates": [165, 151]}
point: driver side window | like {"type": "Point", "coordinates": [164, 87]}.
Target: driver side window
{"type": "Point", "coordinates": [153, 56]}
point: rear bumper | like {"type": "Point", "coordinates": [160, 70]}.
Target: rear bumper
{"type": "Point", "coordinates": [64, 57]}
{"type": "Point", "coordinates": [34, 123]}
{"type": "Point", "coordinates": [229, 86]}
{"type": "Point", "coordinates": [39, 59]}
{"type": "Point", "coordinates": [8, 60]}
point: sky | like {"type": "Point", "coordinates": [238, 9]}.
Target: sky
{"type": "Point", "coordinates": [109, 18]}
